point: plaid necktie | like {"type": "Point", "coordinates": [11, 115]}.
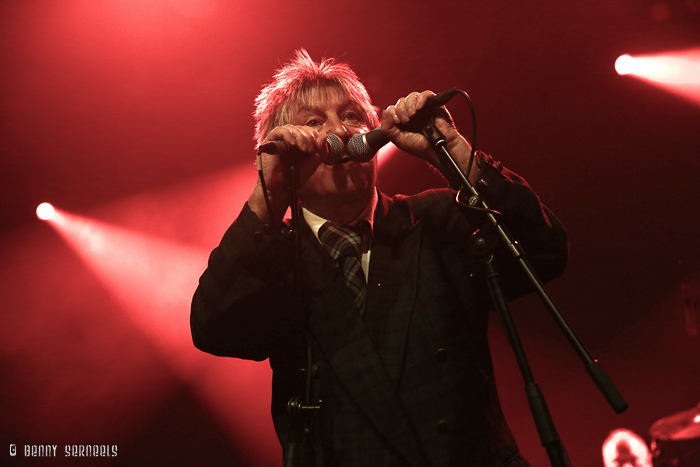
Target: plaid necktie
{"type": "Point", "coordinates": [343, 243]}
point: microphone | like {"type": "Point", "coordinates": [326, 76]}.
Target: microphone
{"type": "Point", "coordinates": [334, 145]}
{"type": "Point", "coordinates": [364, 146]}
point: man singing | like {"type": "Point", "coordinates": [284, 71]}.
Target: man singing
{"type": "Point", "coordinates": [395, 310]}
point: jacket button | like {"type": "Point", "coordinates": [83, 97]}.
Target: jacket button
{"type": "Point", "coordinates": [443, 427]}
{"type": "Point", "coordinates": [441, 355]}
{"type": "Point", "coordinates": [257, 237]}
{"type": "Point", "coordinates": [315, 371]}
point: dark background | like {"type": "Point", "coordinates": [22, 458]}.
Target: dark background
{"type": "Point", "coordinates": [102, 102]}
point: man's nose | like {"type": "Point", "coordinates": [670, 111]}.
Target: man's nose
{"type": "Point", "coordinates": [335, 126]}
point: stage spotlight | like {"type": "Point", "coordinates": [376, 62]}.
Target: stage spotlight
{"type": "Point", "coordinates": [676, 71]}
{"type": "Point", "coordinates": [624, 64]}
{"type": "Point", "coordinates": [45, 211]}
{"type": "Point", "coordinates": [148, 257]}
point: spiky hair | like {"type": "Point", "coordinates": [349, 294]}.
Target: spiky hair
{"type": "Point", "coordinates": [297, 82]}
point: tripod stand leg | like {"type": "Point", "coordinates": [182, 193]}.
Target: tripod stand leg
{"type": "Point", "coordinates": [538, 406]}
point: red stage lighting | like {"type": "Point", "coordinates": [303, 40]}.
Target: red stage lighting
{"type": "Point", "coordinates": [624, 64]}
{"type": "Point", "coordinates": [146, 258]}
{"type": "Point", "coordinates": [385, 153]}
{"type": "Point", "coordinates": [45, 211]}
{"type": "Point", "coordinates": [677, 72]}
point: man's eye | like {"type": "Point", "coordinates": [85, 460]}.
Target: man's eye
{"type": "Point", "coordinates": [313, 122]}
{"type": "Point", "coordinates": [353, 118]}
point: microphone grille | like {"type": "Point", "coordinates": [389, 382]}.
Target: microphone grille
{"type": "Point", "coordinates": [335, 148]}
{"type": "Point", "coordinates": [357, 148]}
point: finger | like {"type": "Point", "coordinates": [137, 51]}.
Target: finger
{"type": "Point", "coordinates": [279, 133]}
{"type": "Point", "coordinates": [401, 111]}
{"type": "Point", "coordinates": [412, 103]}
{"type": "Point", "coordinates": [276, 134]}
{"type": "Point", "coordinates": [389, 116]}
{"type": "Point", "coordinates": [321, 143]}
{"type": "Point", "coordinates": [303, 138]}
{"type": "Point", "coordinates": [422, 98]}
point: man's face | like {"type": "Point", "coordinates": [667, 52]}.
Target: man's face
{"type": "Point", "coordinates": [346, 181]}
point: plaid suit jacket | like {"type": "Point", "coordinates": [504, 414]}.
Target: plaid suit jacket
{"type": "Point", "coordinates": [410, 383]}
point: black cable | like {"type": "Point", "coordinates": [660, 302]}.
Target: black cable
{"type": "Point", "coordinates": [472, 153]}
{"type": "Point", "coordinates": [473, 145]}
{"type": "Point", "coordinates": [268, 205]}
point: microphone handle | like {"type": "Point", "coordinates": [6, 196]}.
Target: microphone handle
{"type": "Point", "coordinates": [363, 147]}
{"type": "Point", "coordinates": [275, 148]}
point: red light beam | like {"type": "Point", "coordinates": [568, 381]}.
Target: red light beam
{"type": "Point", "coordinates": [153, 277]}
{"type": "Point", "coordinates": [676, 72]}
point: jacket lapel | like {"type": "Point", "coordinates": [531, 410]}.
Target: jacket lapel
{"type": "Point", "coordinates": [392, 283]}
{"type": "Point", "coordinates": [365, 357]}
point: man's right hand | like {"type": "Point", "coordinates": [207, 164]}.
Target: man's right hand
{"type": "Point", "coordinates": [309, 142]}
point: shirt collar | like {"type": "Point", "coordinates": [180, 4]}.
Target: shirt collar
{"type": "Point", "coordinates": [315, 222]}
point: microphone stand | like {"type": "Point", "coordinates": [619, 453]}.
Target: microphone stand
{"type": "Point", "coordinates": [484, 246]}
{"type": "Point", "coordinates": [299, 451]}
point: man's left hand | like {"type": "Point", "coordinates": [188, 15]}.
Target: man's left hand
{"type": "Point", "coordinates": [415, 143]}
